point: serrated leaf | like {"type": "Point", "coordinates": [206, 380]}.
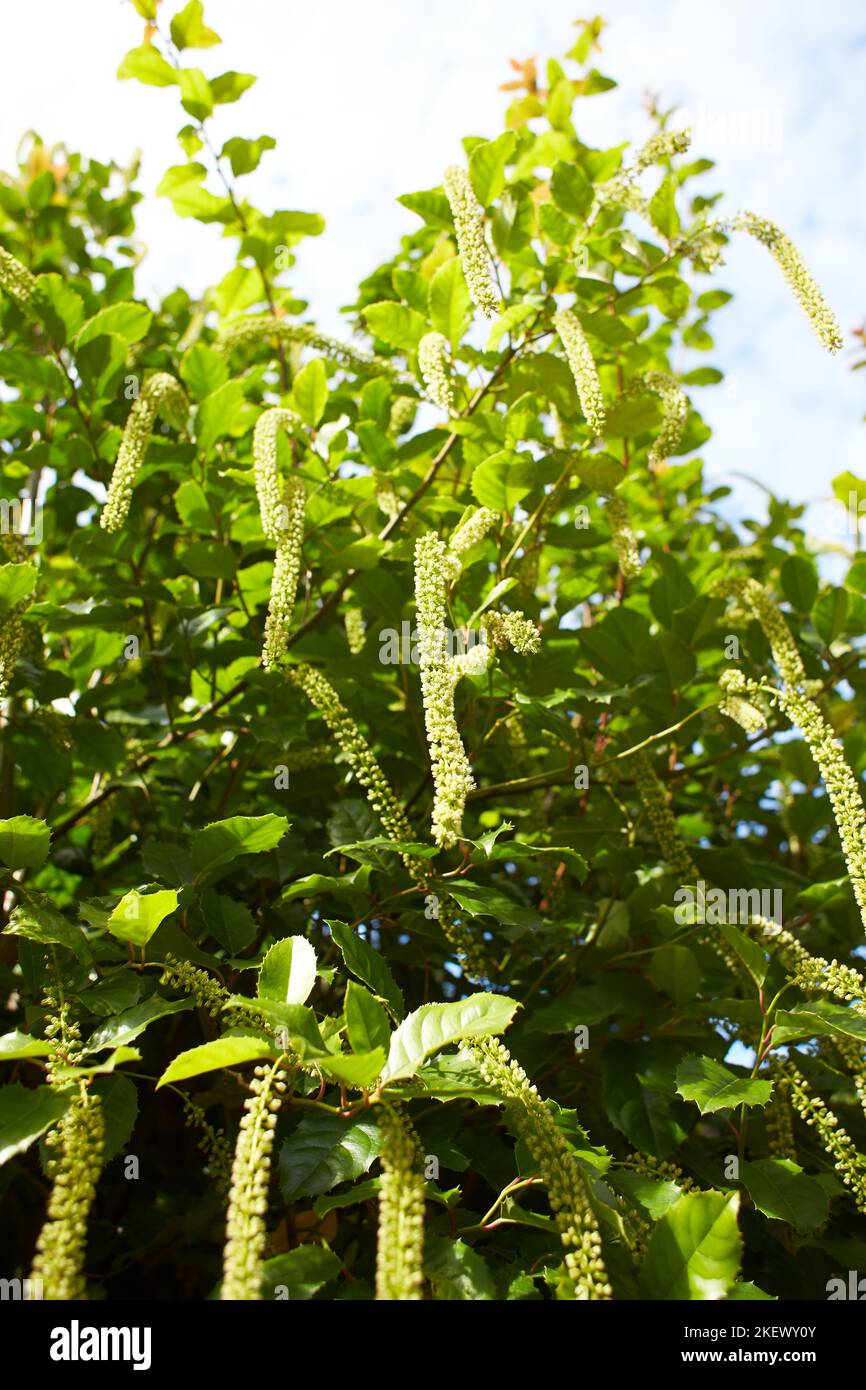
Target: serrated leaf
{"type": "Point", "coordinates": [368, 965]}
{"type": "Point", "coordinates": [299, 1274]}
{"type": "Point", "coordinates": [222, 841]}
{"type": "Point", "coordinates": [435, 1026]}
{"type": "Point", "coordinates": [395, 324]}
{"type": "Point", "coordinates": [450, 305]}
{"type": "Point", "coordinates": [127, 321]}
{"type": "Point", "coordinates": [24, 842]}
{"type": "Point", "coordinates": [228, 1051]}
{"type": "Point", "coordinates": [366, 1021]}
{"type": "Point", "coordinates": [288, 971]}
{"type": "Point", "coordinates": [713, 1086]}
{"type": "Point", "coordinates": [325, 1150]}
{"type": "Point", "coordinates": [780, 1189]}
{"type": "Point", "coordinates": [137, 915]}
{"type": "Point", "coordinates": [487, 165]}
{"type": "Point", "coordinates": [310, 391]}
{"type": "Point", "coordinates": [16, 1045]}
{"type": "Point", "coordinates": [695, 1250]}
{"type": "Point", "coordinates": [25, 1114]}
{"type": "Point", "coordinates": [130, 1023]}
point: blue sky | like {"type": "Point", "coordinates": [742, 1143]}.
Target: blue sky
{"type": "Point", "coordinates": [370, 100]}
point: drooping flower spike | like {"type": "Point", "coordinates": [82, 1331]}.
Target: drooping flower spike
{"type": "Point", "coordinates": [400, 1245]}
{"type": "Point", "coordinates": [160, 395]}
{"type": "Point", "coordinates": [246, 1233]}
{"type": "Point", "coordinates": [281, 508]}
{"type": "Point", "coordinates": [675, 404]}
{"type": "Point", "coordinates": [583, 368]}
{"type": "Point", "coordinates": [16, 280]}
{"type": "Point", "coordinates": [623, 537]}
{"type": "Point", "coordinates": [471, 243]}
{"type": "Point", "coordinates": [434, 367]}
{"type": "Point", "coordinates": [566, 1185]}
{"type": "Point", "coordinates": [799, 277]}
{"type": "Point", "coordinates": [259, 327]}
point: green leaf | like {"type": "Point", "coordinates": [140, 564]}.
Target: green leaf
{"type": "Point", "coordinates": [36, 919]}
{"type": "Point", "coordinates": [487, 165]}
{"type": "Point", "coordinates": [749, 952]}
{"type": "Point", "coordinates": [196, 96]}
{"type": "Point", "coordinates": [310, 392]}
{"type": "Point", "coordinates": [25, 1114]}
{"type": "Point", "coordinates": [675, 971]}
{"type": "Point", "coordinates": [395, 323]}
{"type": "Point", "coordinates": [229, 86]}
{"type": "Point", "coordinates": [450, 305]}
{"type": "Point", "coordinates": [818, 1018]}
{"type": "Point", "coordinates": [137, 915]}
{"type": "Point", "coordinates": [325, 1150]}
{"type": "Point", "coordinates": [368, 965]}
{"type": "Point", "coordinates": [246, 155]}
{"type": "Point", "coordinates": [184, 185]}
{"type": "Point", "coordinates": [120, 1030]}
{"type": "Point", "coordinates": [231, 922]}
{"type": "Point", "coordinates": [713, 1086]}
{"type": "Point", "coordinates": [288, 971]}
{"type": "Point", "coordinates": [366, 1021]}
{"type": "Point", "coordinates": [24, 841]}
{"type": "Point", "coordinates": [599, 472]}
{"type": "Point", "coordinates": [203, 370]}
{"type": "Point", "coordinates": [59, 307]}
{"type": "Point", "coordinates": [695, 1250]}
{"type": "Point", "coordinates": [504, 479]}
{"type": "Point", "coordinates": [299, 1274]}
{"type": "Point", "coordinates": [17, 582]}
{"type": "Point", "coordinates": [358, 1070]}
{"type": "Point", "coordinates": [16, 1045]}
{"type": "Point", "coordinates": [146, 64]}
{"type": "Point", "coordinates": [219, 413]}
{"type": "Point", "coordinates": [571, 190]}
{"type": "Point", "coordinates": [127, 321]}
{"type": "Point", "coordinates": [663, 211]}
{"type": "Point", "coordinates": [188, 29]}
{"type": "Point", "coordinates": [229, 1051]}
{"type": "Point", "coordinates": [799, 582]}
{"type": "Point", "coordinates": [435, 1026]}
{"type": "Point", "coordinates": [222, 841]}
{"type": "Point", "coordinates": [119, 1104]}
{"type": "Point", "coordinates": [456, 1271]}
{"type": "Point", "coordinates": [780, 1189]}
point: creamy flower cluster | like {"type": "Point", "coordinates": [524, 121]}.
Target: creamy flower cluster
{"type": "Point", "coordinates": [778, 634]}
{"type": "Point", "coordinates": [743, 712]}
{"type": "Point", "coordinates": [662, 820]}
{"type": "Point", "coordinates": [162, 395]}
{"type": "Point", "coordinates": [795, 271]}
{"type": "Point", "coordinates": [208, 995]}
{"type": "Point", "coordinates": [356, 633]}
{"type": "Point", "coordinates": [794, 700]}
{"type": "Point", "coordinates": [566, 1185]}
{"type": "Point", "coordinates": [452, 775]}
{"type": "Point", "coordinates": [471, 244]}
{"type": "Point", "coordinates": [212, 1144]}
{"type": "Point", "coordinates": [512, 630]}
{"type": "Point", "coordinates": [675, 404]}
{"type": "Point", "coordinates": [434, 367]}
{"type": "Point", "coordinates": [359, 755]}
{"type": "Point", "coordinates": [400, 1246]}
{"type": "Point", "coordinates": [74, 1163]}
{"type": "Point", "coordinates": [403, 412]}
{"type": "Point", "coordinates": [583, 368]}
{"type": "Point", "coordinates": [779, 1117]}
{"type": "Point", "coordinates": [623, 537]}
{"type": "Point", "coordinates": [663, 145]}
{"type": "Point", "coordinates": [849, 1164]}
{"type": "Point", "coordinates": [246, 1234]}
{"type": "Point", "coordinates": [257, 327]}
{"type": "Point", "coordinates": [282, 514]}
{"type": "Point", "coordinates": [15, 279]}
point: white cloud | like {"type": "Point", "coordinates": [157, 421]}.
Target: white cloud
{"type": "Point", "coordinates": [370, 100]}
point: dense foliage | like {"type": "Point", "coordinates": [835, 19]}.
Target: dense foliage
{"type": "Point", "coordinates": [371, 707]}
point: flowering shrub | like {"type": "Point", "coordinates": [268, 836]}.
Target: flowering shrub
{"type": "Point", "coordinates": [271, 902]}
